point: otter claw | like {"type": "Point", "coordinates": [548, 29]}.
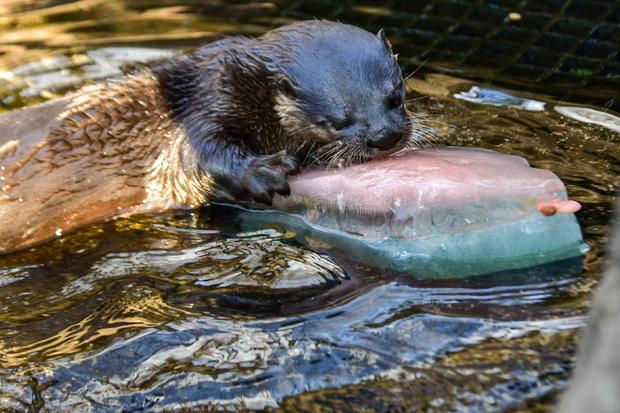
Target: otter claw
{"type": "Point", "coordinates": [266, 176]}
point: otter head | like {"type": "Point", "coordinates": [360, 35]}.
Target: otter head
{"type": "Point", "coordinates": [343, 90]}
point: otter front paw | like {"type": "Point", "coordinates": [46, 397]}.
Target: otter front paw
{"type": "Point", "coordinates": [266, 176]}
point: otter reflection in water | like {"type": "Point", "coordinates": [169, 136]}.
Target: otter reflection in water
{"type": "Point", "coordinates": [227, 123]}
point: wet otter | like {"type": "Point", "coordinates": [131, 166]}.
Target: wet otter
{"type": "Point", "coordinates": [229, 123]}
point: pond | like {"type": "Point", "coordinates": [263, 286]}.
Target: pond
{"type": "Point", "coordinates": [191, 310]}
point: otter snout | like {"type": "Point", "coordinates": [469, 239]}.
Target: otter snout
{"type": "Point", "coordinates": [385, 139]}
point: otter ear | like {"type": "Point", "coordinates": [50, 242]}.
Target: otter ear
{"type": "Point", "coordinates": [386, 42]}
{"type": "Point", "coordinates": [284, 85]}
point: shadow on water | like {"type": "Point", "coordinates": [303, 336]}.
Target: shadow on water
{"type": "Point", "coordinates": [190, 310]}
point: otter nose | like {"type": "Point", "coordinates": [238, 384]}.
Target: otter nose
{"type": "Point", "coordinates": [385, 140]}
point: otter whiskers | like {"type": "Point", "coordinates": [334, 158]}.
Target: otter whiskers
{"type": "Point", "coordinates": [419, 134]}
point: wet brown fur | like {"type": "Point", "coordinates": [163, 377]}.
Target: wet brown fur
{"type": "Point", "coordinates": [49, 185]}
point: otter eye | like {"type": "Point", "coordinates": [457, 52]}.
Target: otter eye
{"type": "Point", "coordinates": [336, 123]}
{"type": "Point", "coordinates": [394, 100]}
{"type": "Point", "coordinates": [340, 124]}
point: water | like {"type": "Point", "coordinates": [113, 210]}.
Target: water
{"type": "Point", "coordinates": [190, 310]}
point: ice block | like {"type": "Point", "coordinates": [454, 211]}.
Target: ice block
{"type": "Point", "coordinates": [433, 213]}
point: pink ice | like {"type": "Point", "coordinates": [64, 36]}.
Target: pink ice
{"type": "Point", "coordinates": [430, 179]}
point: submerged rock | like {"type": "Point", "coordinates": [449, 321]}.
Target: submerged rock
{"type": "Point", "coordinates": [433, 213]}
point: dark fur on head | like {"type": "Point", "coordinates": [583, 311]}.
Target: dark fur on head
{"type": "Point", "coordinates": [346, 92]}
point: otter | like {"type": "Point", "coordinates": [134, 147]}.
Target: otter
{"type": "Point", "coordinates": [228, 122]}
